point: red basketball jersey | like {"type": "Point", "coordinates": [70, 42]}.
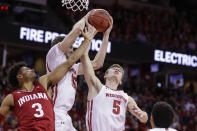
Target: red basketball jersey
{"type": "Point", "coordinates": [34, 109]}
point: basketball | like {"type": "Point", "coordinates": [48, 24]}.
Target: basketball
{"type": "Point", "coordinates": [100, 19]}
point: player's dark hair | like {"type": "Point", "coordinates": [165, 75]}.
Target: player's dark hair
{"type": "Point", "coordinates": [12, 73]}
{"type": "Point", "coordinates": [163, 115]}
{"type": "Point", "coordinates": [57, 40]}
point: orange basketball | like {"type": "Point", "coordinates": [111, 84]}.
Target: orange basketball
{"type": "Point", "coordinates": [100, 19]}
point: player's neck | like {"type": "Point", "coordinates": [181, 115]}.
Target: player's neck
{"type": "Point", "coordinates": [111, 84]}
{"type": "Point", "coordinates": [27, 86]}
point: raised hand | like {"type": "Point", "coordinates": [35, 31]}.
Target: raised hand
{"type": "Point", "coordinates": [107, 32]}
{"type": "Point", "coordinates": [80, 24]}
{"type": "Point", "coordinates": [87, 15]}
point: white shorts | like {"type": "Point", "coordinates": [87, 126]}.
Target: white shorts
{"type": "Point", "coordinates": [63, 122]}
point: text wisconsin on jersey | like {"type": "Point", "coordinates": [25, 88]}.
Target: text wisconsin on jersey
{"type": "Point", "coordinates": [117, 96]}
{"type": "Point", "coordinates": [30, 97]}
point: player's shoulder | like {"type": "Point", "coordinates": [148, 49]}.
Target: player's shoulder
{"type": "Point", "coordinates": [9, 96]}
{"type": "Point", "coordinates": [16, 92]}
{"type": "Point", "coordinates": [8, 100]}
{"type": "Point", "coordinates": [122, 92]}
{"type": "Point", "coordinates": [55, 50]}
{"type": "Point", "coordinates": [52, 49]}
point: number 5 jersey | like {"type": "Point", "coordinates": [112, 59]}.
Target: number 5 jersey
{"type": "Point", "coordinates": [33, 109]}
{"type": "Point", "coordinates": [107, 111]}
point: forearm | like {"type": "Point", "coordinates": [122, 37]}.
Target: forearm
{"type": "Point", "coordinates": [144, 117]}
{"type": "Point", "coordinates": [72, 36]}
{"type": "Point", "coordinates": [78, 53]}
{"type": "Point", "coordinates": [87, 66]}
{"type": "Point", "coordinates": [136, 111]}
{"type": "Point", "coordinates": [59, 72]}
{"type": "Point", "coordinates": [88, 70]}
{"type": "Point", "coordinates": [70, 39]}
{"type": "Point", "coordinates": [100, 56]}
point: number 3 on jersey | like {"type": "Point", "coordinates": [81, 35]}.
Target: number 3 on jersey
{"type": "Point", "coordinates": [116, 107]}
{"type": "Point", "coordinates": [38, 108]}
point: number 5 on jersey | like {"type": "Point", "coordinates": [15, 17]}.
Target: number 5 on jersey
{"type": "Point", "coordinates": [116, 107]}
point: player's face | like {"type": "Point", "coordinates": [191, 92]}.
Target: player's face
{"type": "Point", "coordinates": [68, 51]}
{"type": "Point", "coordinates": [116, 73]}
{"type": "Point", "coordinates": [27, 73]}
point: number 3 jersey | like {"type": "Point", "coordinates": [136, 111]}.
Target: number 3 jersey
{"type": "Point", "coordinates": [33, 109]}
{"type": "Point", "coordinates": [107, 111]}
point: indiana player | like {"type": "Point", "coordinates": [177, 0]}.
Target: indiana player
{"type": "Point", "coordinates": [64, 92]}
{"type": "Point", "coordinates": [162, 117]}
{"type": "Point", "coordinates": [31, 103]}
{"type": "Point", "coordinates": [107, 106]}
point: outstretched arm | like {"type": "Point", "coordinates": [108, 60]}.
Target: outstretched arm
{"type": "Point", "coordinates": [5, 107]}
{"type": "Point", "coordinates": [136, 111]}
{"type": "Point", "coordinates": [93, 82]}
{"type": "Point", "coordinates": [73, 34]}
{"type": "Point", "coordinates": [69, 40]}
{"type": "Point", "coordinates": [100, 56]}
{"type": "Point", "coordinates": [56, 75]}
{"type": "Point", "coordinates": [98, 61]}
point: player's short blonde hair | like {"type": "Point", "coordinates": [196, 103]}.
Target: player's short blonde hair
{"type": "Point", "coordinates": [117, 66]}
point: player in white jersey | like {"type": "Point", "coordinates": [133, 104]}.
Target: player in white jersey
{"type": "Point", "coordinates": [107, 106]}
{"type": "Point", "coordinates": [64, 92]}
{"type": "Point", "coordinates": [162, 117]}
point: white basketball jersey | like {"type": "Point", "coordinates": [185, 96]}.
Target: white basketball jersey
{"type": "Point", "coordinates": [162, 129]}
{"type": "Point", "coordinates": [64, 92]}
{"type": "Point", "coordinates": [107, 111]}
